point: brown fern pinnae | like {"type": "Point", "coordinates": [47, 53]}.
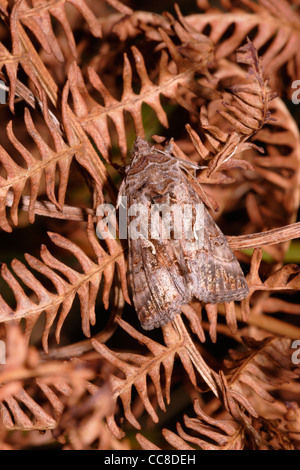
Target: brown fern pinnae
{"type": "Point", "coordinates": [85, 285]}
{"type": "Point", "coordinates": [80, 81]}
{"type": "Point", "coordinates": [203, 432]}
{"type": "Point", "coordinates": [273, 27]}
{"type": "Point", "coordinates": [248, 112]}
{"type": "Point", "coordinates": [94, 117]}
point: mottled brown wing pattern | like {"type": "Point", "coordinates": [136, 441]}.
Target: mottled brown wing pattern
{"type": "Point", "coordinates": [156, 295]}
{"type": "Point", "coordinates": [214, 272]}
{"type": "Point", "coordinates": [166, 274]}
{"type": "Point", "coordinates": [158, 284]}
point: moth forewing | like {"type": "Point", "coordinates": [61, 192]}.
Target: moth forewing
{"type": "Point", "coordinates": [176, 251]}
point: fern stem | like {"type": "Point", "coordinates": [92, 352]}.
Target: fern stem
{"type": "Point", "coordinates": [200, 365]}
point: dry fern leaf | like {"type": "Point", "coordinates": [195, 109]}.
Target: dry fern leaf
{"type": "Point", "coordinates": [85, 285]}
{"type": "Point", "coordinates": [83, 422]}
{"type": "Point", "coordinates": [145, 443]}
{"type": "Point", "coordinates": [50, 162]}
{"type": "Point", "coordinates": [11, 62]}
{"type": "Point", "coordinates": [37, 18]}
{"type": "Point", "coordinates": [17, 176]}
{"type": "Point", "coordinates": [24, 54]}
{"type": "Point", "coordinates": [255, 377]}
{"type": "Point", "coordinates": [93, 117]}
{"type": "Point", "coordinates": [203, 432]}
{"type": "Point", "coordinates": [136, 368]}
{"type": "Point", "coordinates": [77, 391]}
{"type": "Point", "coordinates": [246, 114]}
{"type": "Point", "coordinates": [285, 278]}
{"type": "Point", "coordinates": [34, 394]}
{"type": "Point", "coordinates": [251, 374]}
{"type": "Point", "coordinates": [13, 416]}
{"type": "Point", "coordinates": [214, 434]}
{"type": "Point", "coordinates": [272, 25]}
{"type": "Point", "coordinates": [261, 369]}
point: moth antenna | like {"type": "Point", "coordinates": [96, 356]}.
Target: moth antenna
{"type": "Point", "coordinates": [168, 148]}
{"type": "Point", "coordinates": [161, 151]}
{"type": "Point", "coordinates": [193, 165]}
{"type": "Point", "coordinates": [121, 194]}
{"type": "Point", "coordinates": [203, 192]}
{"type": "Point", "coordinates": [186, 163]}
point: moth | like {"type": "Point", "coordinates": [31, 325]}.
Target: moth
{"type": "Point", "coordinates": [166, 273]}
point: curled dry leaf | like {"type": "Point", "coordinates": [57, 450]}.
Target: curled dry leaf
{"type": "Point", "coordinates": [274, 29]}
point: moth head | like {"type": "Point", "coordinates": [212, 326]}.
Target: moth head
{"type": "Point", "coordinates": [140, 147]}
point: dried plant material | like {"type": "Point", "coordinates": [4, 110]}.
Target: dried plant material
{"type": "Point", "coordinates": [38, 19]}
{"type": "Point", "coordinates": [61, 386]}
{"type": "Point", "coordinates": [17, 176]}
{"type": "Point", "coordinates": [94, 117]}
{"type": "Point", "coordinates": [137, 367]}
{"type": "Point", "coordinates": [246, 114]}
{"type": "Point", "coordinates": [47, 165]}
{"type": "Point", "coordinates": [274, 26]}
{"type": "Point", "coordinates": [80, 81]}
{"type": "Point", "coordinates": [85, 285]}
{"type": "Point", "coordinates": [206, 433]}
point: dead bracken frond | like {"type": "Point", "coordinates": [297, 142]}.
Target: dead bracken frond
{"type": "Point", "coordinates": [274, 29]}
{"type": "Point", "coordinates": [37, 18]}
{"type": "Point", "coordinates": [247, 113]}
{"type": "Point", "coordinates": [203, 432]}
{"type": "Point", "coordinates": [68, 283]}
{"type": "Point", "coordinates": [94, 117]}
{"type": "Point", "coordinates": [136, 367]}
{"type": "Point", "coordinates": [55, 386]}
{"type": "Point", "coordinates": [79, 82]}
{"type": "Point", "coordinates": [48, 164]}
